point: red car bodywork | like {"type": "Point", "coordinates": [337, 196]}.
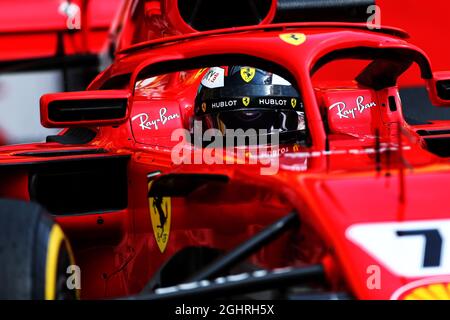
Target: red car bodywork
{"type": "Point", "coordinates": [29, 29]}
{"type": "Point", "coordinates": [425, 23]}
{"type": "Point", "coordinates": [333, 188]}
{"type": "Point", "coordinates": [371, 170]}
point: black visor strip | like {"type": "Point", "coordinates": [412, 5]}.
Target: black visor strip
{"type": "Point", "coordinates": [248, 90]}
{"type": "Point", "coordinates": [246, 102]}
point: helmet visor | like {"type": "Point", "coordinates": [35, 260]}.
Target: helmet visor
{"type": "Point", "coordinates": [263, 121]}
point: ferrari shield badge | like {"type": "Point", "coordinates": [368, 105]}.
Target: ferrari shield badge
{"type": "Point", "coordinates": [160, 214]}
{"type": "Point", "coordinates": [245, 101]}
{"type": "Point", "coordinates": [248, 73]}
{"type": "Point", "coordinates": [295, 39]}
{"type": "Point", "coordinates": [293, 102]}
{"type": "Point", "coordinates": [199, 73]}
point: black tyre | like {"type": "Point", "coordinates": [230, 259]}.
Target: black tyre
{"type": "Point", "coordinates": [34, 254]}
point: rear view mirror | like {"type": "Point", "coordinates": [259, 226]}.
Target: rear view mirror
{"type": "Point", "coordinates": [439, 89]}
{"type": "Point", "coordinates": [84, 108]}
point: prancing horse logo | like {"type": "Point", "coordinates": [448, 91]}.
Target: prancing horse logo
{"type": "Point", "coordinates": [247, 74]}
{"type": "Point", "coordinates": [160, 214]}
{"type": "Point", "coordinates": [294, 39]}
{"type": "Point", "coordinates": [293, 102]}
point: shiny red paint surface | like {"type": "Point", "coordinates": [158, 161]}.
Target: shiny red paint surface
{"type": "Point", "coordinates": [29, 29]}
{"type": "Point", "coordinates": [427, 25]}
{"type": "Point", "coordinates": [333, 185]}
{"type": "Point", "coordinates": [332, 190]}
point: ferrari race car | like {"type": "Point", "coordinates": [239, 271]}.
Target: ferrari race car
{"type": "Point", "coordinates": [323, 191]}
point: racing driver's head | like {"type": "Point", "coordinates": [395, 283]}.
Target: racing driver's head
{"type": "Point", "coordinates": [240, 97]}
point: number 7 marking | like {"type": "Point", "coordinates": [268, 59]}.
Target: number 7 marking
{"type": "Point", "coordinates": [433, 245]}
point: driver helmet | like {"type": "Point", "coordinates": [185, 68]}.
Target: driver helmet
{"type": "Point", "coordinates": [242, 97]}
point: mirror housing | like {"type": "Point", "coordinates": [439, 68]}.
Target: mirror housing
{"type": "Point", "coordinates": [85, 108]}
{"type": "Point", "coordinates": [439, 89]}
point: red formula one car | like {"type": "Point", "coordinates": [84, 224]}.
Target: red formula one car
{"type": "Point", "coordinates": [149, 199]}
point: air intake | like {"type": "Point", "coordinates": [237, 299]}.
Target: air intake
{"type": "Point", "coordinates": [87, 110]}
{"type": "Point", "coordinates": [443, 89]}
{"type": "Point", "coordinates": [322, 10]}
{"type": "Point", "coordinates": [84, 108]}
{"type": "Point", "coordinates": [205, 15]}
